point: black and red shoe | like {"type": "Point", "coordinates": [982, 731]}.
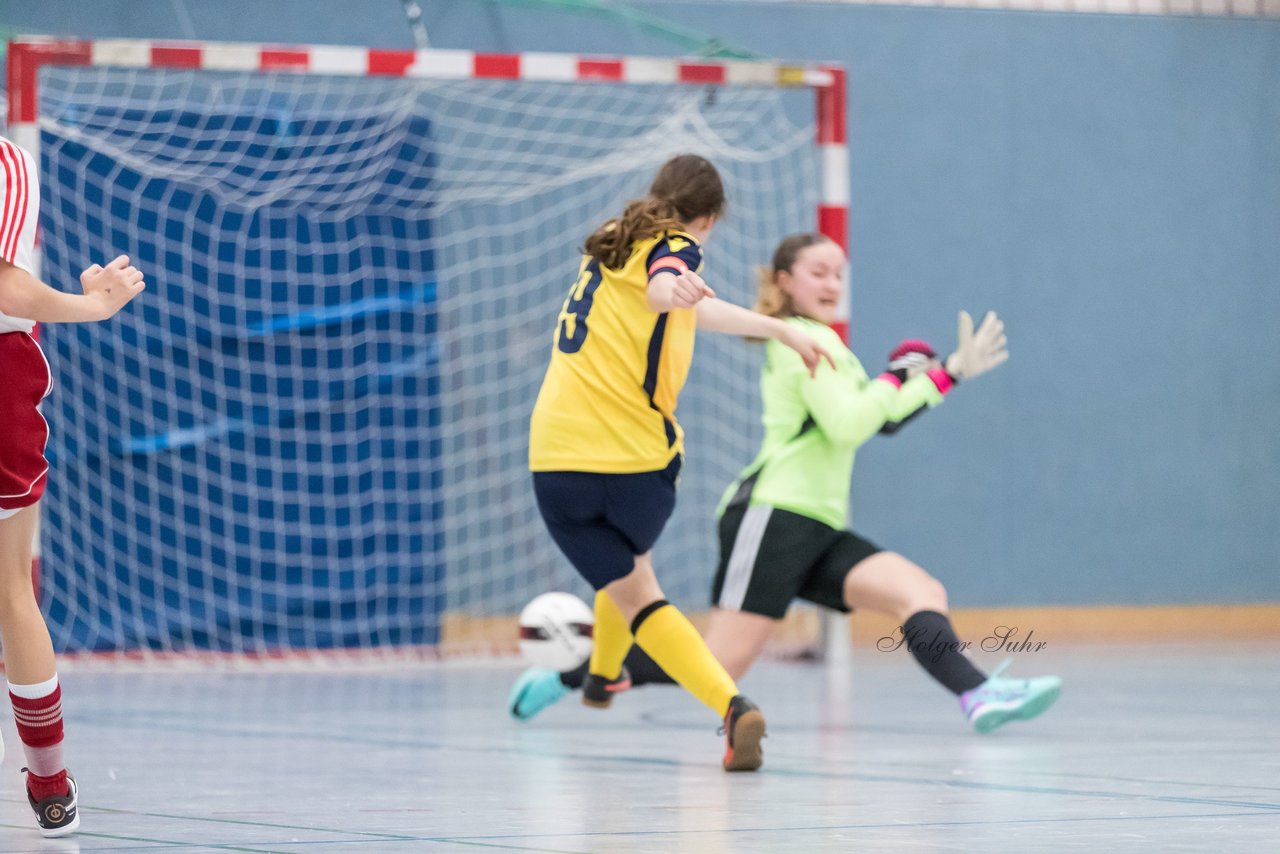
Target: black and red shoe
{"type": "Point", "coordinates": [743, 730]}
{"type": "Point", "coordinates": [57, 814]}
{"type": "Point", "coordinates": [598, 692]}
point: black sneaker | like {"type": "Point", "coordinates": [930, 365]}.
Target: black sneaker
{"type": "Point", "coordinates": [598, 692]}
{"type": "Point", "coordinates": [743, 730]}
{"type": "Point", "coordinates": [57, 815]}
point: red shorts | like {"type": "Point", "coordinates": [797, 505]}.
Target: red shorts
{"type": "Point", "coordinates": [25, 380]}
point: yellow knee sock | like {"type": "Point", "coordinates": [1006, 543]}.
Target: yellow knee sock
{"type": "Point", "coordinates": [673, 642]}
{"type": "Point", "coordinates": [611, 638]}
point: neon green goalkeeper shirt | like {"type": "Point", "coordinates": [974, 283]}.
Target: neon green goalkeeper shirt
{"type": "Point", "coordinates": [814, 425]}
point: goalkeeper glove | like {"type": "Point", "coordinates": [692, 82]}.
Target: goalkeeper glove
{"type": "Point", "coordinates": [913, 357]}
{"type": "Point", "coordinates": [909, 359]}
{"type": "Point", "coordinates": [977, 352]}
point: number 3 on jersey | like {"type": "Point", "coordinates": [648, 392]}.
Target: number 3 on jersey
{"type": "Point", "coordinates": [573, 317]}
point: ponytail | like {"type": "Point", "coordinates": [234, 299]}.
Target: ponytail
{"type": "Point", "coordinates": [610, 244]}
{"type": "Point", "coordinates": [686, 188]}
{"type": "Point", "coordinates": [771, 299]}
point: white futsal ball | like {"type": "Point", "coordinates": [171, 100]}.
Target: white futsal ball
{"type": "Point", "coordinates": [555, 631]}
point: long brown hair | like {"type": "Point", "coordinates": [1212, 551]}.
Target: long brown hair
{"type": "Point", "coordinates": [771, 299]}
{"type": "Point", "coordinates": [686, 187]}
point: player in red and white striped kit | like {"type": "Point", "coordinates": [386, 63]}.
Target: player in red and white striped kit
{"type": "Point", "coordinates": [24, 381]}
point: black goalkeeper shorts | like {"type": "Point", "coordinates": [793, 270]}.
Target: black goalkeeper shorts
{"type": "Point", "coordinates": [769, 557]}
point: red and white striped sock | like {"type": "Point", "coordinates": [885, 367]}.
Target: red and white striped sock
{"type": "Point", "coordinates": [37, 710]}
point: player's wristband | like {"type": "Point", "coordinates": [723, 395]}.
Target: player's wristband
{"type": "Point", "coordinates": [942, 380]}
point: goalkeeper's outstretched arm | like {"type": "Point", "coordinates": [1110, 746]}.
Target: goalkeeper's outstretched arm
{"type": "Point", "coordinates": [975, 354]}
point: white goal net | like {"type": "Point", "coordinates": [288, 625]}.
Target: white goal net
{"type": "Point", "coordinates": [311, 431]}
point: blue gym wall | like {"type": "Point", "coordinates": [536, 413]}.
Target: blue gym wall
{"type": "Point", "coordinates": [1110, 184]}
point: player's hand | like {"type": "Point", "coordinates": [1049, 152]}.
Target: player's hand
{"type": "Point", "coordinates": [911, 358]}
{"type": "Point", "coordinates": [980, 351]}
{"type": "Point", "coordinates": [809, 349]}
{"type": "Point", "coordinates": [689, 290]}
{"type": "Point", "coordinates": [111, 287]}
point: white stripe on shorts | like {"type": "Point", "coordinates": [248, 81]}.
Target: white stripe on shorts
{"type": "Point", "coordinates": [746, 546]}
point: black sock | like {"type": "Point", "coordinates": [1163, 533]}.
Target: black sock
{"type": "Point", "coordinates": [934, 644]}
{"type": "Point", "coordinates": [573, 678]}
{"type": "Point", "coordinates": [643, 669]}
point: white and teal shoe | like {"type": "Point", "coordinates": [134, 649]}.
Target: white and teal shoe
{"type": "Point", "coordinates": [1001, 699]}
{"type": "Point", "coordinates": [535, 689]}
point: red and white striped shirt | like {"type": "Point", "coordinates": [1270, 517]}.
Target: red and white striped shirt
{"type": "Point", "coordinates": [19, 204]}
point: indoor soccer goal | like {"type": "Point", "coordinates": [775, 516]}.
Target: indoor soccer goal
{"type": "Point", "coordinates": [310, 433]}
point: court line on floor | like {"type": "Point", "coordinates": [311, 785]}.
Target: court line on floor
{"type": "Point", "coordinates": [1014, 789]}
{"type": "Point", "coordinates": [237, 822]}
{"type": "Point", "coordinates": [1149, 781]}
{"type": "Point", "coordinates": [373, 836]}
{"type": "Point", "coordinates": [823, 828]}
{"type": "Point", "coordinates": [961, 782]}
{"type": "Point", "coordinates": [879, 826]}
{"type": "Point", "coordinates": [662, 719]}
{"type": "Point", "coordinates": [156, 842]}
{"type": "Point", "coordinates": [490, 841]}
{"type": "Point", "coordinates": [1079, 776]}
{"type": "Point", "coordinates": [169, 844]}
{"type": "Point", "coordinates": [774, 770]}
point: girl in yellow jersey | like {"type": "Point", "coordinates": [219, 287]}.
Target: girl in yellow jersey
{"type": "Point", "coordinates": [604, 445]}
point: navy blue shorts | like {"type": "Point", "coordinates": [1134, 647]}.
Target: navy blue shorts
{"type": "Point", "coordinates": [602, 521]}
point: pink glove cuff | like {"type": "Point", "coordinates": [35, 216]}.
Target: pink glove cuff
{"type": "Point", "coordinates": [890, 379]}
{"type": "Point", "coordinates": [941, 379]}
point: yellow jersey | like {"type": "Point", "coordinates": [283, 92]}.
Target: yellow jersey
{"type": "Point", "coordinates": [608, 400]}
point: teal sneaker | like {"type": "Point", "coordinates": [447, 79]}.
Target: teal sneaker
{"type": "Point", "coordinates": [1000, 699]}
{"type": "Point", "coordinates": [535, 689]}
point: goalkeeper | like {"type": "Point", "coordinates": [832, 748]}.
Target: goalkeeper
{"type": "Point", "coordinates": [782, 522]}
